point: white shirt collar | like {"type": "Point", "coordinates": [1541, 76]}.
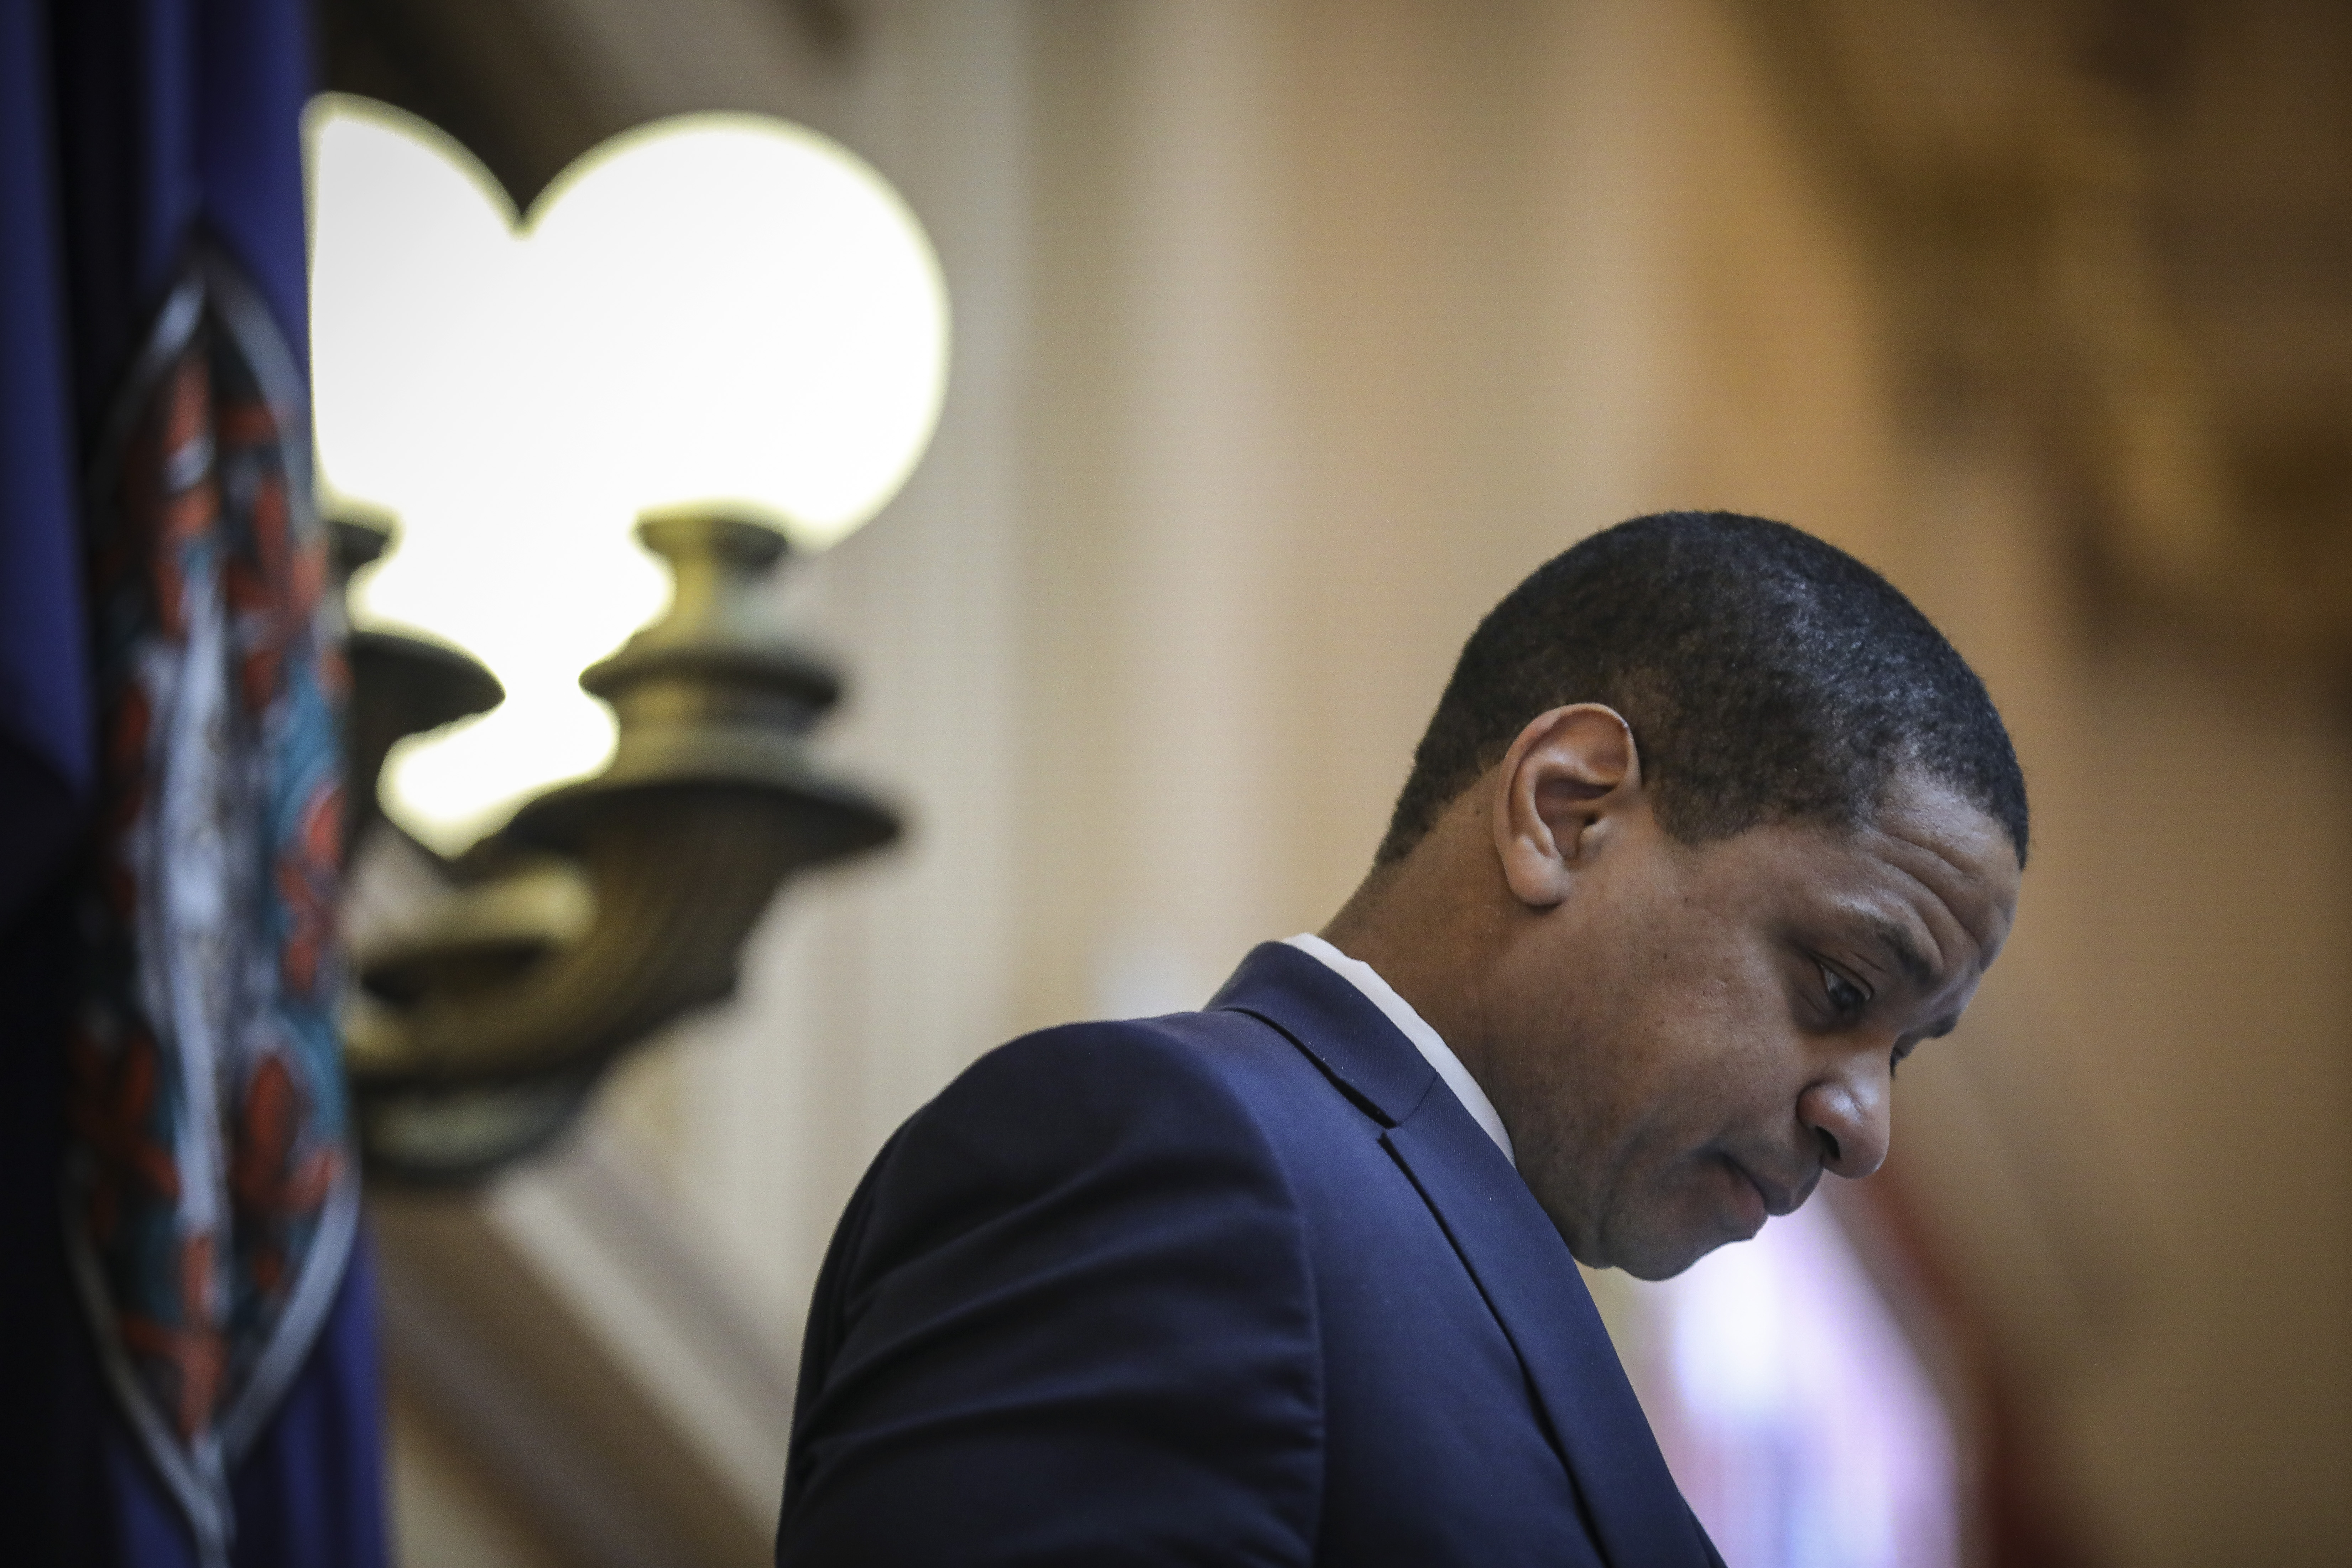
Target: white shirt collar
{"type": "Point", "coordinates": [1425, 1040]}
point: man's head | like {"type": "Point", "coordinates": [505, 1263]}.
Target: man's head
{"type": "Point", "coordinates": [1711, 826]}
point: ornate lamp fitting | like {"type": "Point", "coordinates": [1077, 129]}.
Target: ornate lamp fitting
{"type": "Point", "coordinates": [513, 975]}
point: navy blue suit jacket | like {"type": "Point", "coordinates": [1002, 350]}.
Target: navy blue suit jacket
{"type": "Point", "coordinates": [1242, 1286]}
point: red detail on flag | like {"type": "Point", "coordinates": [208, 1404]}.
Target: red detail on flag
{"type": "Point", "coordinates": [189, 1352]}
{"type": "Point", "coordinates": [268, 1181]}
{"type": "Point", "coordinates": [307, 887]}
{"type": "Point", "coordinates": [113, 1105]}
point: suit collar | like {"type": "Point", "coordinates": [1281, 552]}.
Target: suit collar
{"type": "Point", "coordinates": [1337, 1025]}
{"type": "Point", "coordinates": [1416, 1028]}
{"type": "Point", "coordinates": [1505, 1240]}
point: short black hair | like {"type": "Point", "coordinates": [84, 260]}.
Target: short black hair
{"type": "Point", "coordinates": [1766, 676]}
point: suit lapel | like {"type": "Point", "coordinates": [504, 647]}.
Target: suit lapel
{"type": "Point", "coordinates": [1529, 1278]}
{"type": "Point", "coordinates": [1507, 1243]}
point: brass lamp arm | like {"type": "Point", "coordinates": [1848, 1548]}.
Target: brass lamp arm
{"type": "Point", "coordinates": [480, 1036]}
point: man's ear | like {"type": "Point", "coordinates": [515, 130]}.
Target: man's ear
{"type": "Point", "coordinates": [1569, 770]}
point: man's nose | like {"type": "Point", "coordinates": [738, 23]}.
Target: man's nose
{"type": "Point", "coordinates": [1850, 1115]}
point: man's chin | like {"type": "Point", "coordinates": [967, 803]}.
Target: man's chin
{"type": "Point", "coordinates": [1664, 1256]}
{"type": "Point", "coordinates": [1652, 1246]}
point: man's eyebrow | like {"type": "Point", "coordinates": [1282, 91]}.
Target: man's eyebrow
{"type": "Point", "coordinates": [1906, 953]}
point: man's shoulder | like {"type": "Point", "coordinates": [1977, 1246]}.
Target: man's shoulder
{"type": "Point", "coordinates": [1186, 1075]}
{"type": "Point", "coordinates": [1187, 1035]}
{"type": "Point", "coordinates": [1081, 1271]}
{"type": "Point", "coordinates": [1122, 1134]}
{"type": "Point", "coordinates": [1201, 1112]}
{"type": "Point", "coordinates": [1179, 1045]}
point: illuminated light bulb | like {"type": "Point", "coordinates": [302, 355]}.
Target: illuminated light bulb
{"type": "Point", "coordinates": [719, 308]}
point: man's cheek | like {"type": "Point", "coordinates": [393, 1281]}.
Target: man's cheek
{"type": "Point", "coordinates": [1674, 1200]}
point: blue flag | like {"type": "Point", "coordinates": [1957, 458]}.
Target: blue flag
{"type": "Point", "coordinates": [188, 1373]}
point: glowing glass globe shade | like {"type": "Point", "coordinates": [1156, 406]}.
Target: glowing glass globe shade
{"type": "Point", "coordinates": [713, 308]}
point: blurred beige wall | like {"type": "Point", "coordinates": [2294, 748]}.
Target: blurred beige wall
{"type": "Point", "coordinates": [1289, 336]}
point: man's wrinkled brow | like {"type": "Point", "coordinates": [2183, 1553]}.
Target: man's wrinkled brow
{"type": "Point", "coordinates": [1904, 952]}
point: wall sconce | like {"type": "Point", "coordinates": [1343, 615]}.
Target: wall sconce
{"type": "Point", "coordinates": [719, 305]}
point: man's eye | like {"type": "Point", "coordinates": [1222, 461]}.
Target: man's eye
{"type": "Point", "coordinates": [1846, 999]}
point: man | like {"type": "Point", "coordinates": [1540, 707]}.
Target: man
{"type": "Point", "coordinates": [1711, 828]}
